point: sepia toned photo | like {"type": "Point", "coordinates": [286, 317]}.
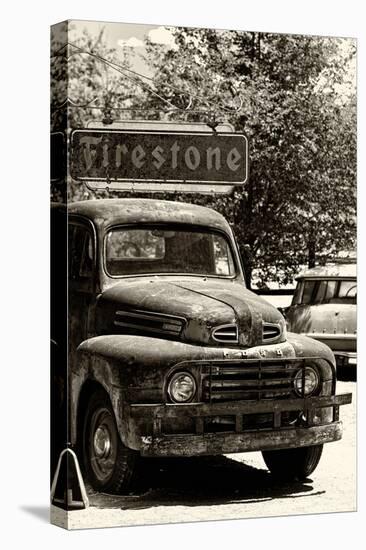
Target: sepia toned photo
{"type": "Point", "coordinates": [203, 274]}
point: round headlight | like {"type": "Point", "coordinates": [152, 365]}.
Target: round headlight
{"type": "Point", "coordinates": [182, 387]}
{"type": "Point", "coordinates": [306, 383]}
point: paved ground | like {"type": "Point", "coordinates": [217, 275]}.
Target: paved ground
{"type": "Point", "coordinates": [231, 486]}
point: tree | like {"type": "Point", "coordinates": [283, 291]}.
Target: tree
{"type": "Point", "coordinates": [85, 88]}
{"type": "Point", "coordinates": [299, 205]}
{"type": "Point", "coordinates": [284, 92]}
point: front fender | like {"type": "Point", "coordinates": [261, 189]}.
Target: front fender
{"type": "Point", "coordinates": [130, 368]}
{"type": "Point", "coordinates": [305, 346]}
{"type": "Point", "coordinates": [133, 350]}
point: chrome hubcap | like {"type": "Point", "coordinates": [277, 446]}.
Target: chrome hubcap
{"type": "Point", "coordinates": [102, 442]}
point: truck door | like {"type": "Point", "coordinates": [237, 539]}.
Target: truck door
{"type": "Point", "coordinates": [82, 273]}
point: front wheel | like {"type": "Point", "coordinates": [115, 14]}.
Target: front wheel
{"type": "Point", "coordinates": [293, 464]}
{"type": "Point", "coordinates": [109, 464]}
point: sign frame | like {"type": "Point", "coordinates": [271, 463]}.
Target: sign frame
{"type": "Point", "coordinates": [113, 182]}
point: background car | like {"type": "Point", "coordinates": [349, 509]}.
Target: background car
{"type": "Point", "coordinates": [324, 307]}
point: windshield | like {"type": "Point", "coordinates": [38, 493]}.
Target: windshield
{"type": "Point", "coordinates": [326, 291]}
{"type": "Point", "coordinates": [144, 250]}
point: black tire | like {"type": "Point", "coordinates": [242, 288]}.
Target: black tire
{"type": "Point", "coordinates": [293, 464]}
{"type": "Point", "coordinates": [109, 464]}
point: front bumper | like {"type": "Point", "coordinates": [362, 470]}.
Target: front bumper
{"type": "Point", "coordinates": [278, 436]}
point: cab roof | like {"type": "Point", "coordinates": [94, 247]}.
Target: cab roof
{"type": "Point", "coordinates": [343, 271]}
{"type": "Point", "coordinates": [108, 212]}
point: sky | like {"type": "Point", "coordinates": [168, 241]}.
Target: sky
{"type": "Point", "coordinates": [126, 36]}
{"type": "Point", "coordinates": [129, 37]}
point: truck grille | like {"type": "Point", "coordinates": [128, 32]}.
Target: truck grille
{"type": "Point", "coordinates": [149, 321]}
{"type": "Point", "coordinates": [227, 334]}
{"type": "Point", "coordinates": [271, 332]}
{"type": "Point", "coordinates": [252, 379]}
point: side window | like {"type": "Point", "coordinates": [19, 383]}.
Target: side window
{"type": "Point", "coordinates": [325, 292]}
{"type": "Point", "coordinates": [297, 294]}
{"type": "Point", "coordinates": [308, 292]}
{"type": "Point", "coordinates": [348, 289]}
{"type": "Point", "coordinates": [81, 254]}
{"type": "Point", "coordinates": [331, 289]}
{"type": "Point", "coordinates": [224, 264]}
{"type": "Point", "coordinates": [320, 292]}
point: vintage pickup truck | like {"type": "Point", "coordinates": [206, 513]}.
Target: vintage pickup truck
{"type": "Point", "coordinates": [171, 355]}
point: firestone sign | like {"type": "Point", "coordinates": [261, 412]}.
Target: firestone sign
{"type": "Point", "coordinates": [159, 156]}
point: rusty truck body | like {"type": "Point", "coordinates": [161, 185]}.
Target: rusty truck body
{"type": "Point", "coordinates": [171, 355]}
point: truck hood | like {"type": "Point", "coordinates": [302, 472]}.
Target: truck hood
{"type": "Point", "coordinates": [202, 311]}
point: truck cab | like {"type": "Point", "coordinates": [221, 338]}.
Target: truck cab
{"type": "Point", "coordinates": [171, 355]}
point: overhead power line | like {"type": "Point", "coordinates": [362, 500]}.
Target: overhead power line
{"type": "Point", "coordinates": [139, 79]}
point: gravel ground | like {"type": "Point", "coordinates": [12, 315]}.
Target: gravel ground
{"type": "Point", "coordinates": [228, 487]}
